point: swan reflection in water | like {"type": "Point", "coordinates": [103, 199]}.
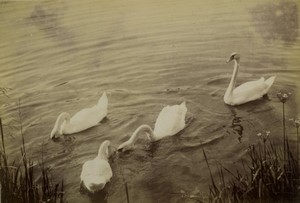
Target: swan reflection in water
{"type": "Point", "coordinates": [236, 125]}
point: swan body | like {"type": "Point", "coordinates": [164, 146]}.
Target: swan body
{"type": "Point", "coordinates": [248, 91]}
{"type": "Point", "coordinates": [170, 121]}
{"type": "Point", "coordinates": [82, 120]}
{"type": "Point", "coordinates": [97, 172]}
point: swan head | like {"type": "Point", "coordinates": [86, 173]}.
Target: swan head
{"type": "Point", "coordinates": [234, 56]}
{"type": "Point", "coordinates": [125, 146]}
{"type": "Point", "coordinates": [59, 124]}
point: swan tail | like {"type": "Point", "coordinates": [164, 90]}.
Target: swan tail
{"type": "Point", "coordinates": [269, 82]}
{"type": "Point", "coordinates": [103, 101]}
{"type": "Point", "coordinates": [94, 184]}
{"type": "Point", "coordinates": [183, 106]}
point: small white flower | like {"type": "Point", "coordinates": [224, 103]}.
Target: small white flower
{"type": "Point", "coordinates": [297, 122]}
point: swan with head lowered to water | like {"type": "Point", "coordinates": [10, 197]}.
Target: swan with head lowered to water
{"type": "Point", "coordinates": [248, 91]}
{"type": "Point", "coordinates": [97, 172]}
{"type": "Point", "coordinates": [82, 120]}
{"type": "Point", "coordinates": [170, 121]}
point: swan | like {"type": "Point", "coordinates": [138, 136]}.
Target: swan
{"type": "Point", "coordinates": [170, 121]}
{"type": "Point", "coordinates": [82, 120]}
{"type": "Point", "coordinates": [97, 172]}
{"type": "Point", "coordinates": [248, 91]}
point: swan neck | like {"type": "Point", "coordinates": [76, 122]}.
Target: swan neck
{"type": "Point", "coordinates": [63, 122]}
{"type": "Point", "coordinates": [234, 76]}
{"type": "Point", "coordinates": [137, 133]}
{"type": "Point", "coordinates": [103, 151]}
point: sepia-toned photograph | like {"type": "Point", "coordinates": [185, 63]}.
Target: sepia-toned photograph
{"type": "Point", "coordinates": [149, 101]}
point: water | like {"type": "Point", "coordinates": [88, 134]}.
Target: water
{"type": "Point", "coordinates": [60, 56]}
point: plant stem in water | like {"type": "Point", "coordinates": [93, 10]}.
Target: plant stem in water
{"type": "Point", "coordinates": [284, 138]}
{"type": "Point", "coordinates": [298, 149]}
{"type": "Point", "coordinates": [2, 136]}
{"type": "Point", "coordinates": [127, 194]}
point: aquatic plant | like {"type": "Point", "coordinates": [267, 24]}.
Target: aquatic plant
{"type": "Point", "coordinates": [265, 177]}
{"type": "Point", "coordinates": [17, 182]}
{"type": "Point", "coordinates": [264, 137]}
{"type": "Point", "coordinates": [297, 125]}
{"type": "Point", "coordinates": [283, 96]}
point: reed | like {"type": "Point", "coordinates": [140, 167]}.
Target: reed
{"type": "Point", "coordinates": [297, 125]}
{"type": "Point", "coordinates": [283, 97]}
{"type": "Point", "coordinates": [265, 177]}
{"type": "Point", "coordinates": [125, 184]}
{"type": "Point", "coordinates": [127, 193]}
{"type": "Point", "coordinates": [17, 179]}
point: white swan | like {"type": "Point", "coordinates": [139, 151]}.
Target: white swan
{"type": "Point", "coordinates": [82, 120]}
{"type": "Point", "coordinates": [97, 172]}
{"type": "Point", "coordinates": [169, 122]}
{"type": "Point", "coordinates": [248, 91]}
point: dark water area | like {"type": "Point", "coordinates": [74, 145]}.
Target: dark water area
{"type": "Point", "coordinates": [58, 56]}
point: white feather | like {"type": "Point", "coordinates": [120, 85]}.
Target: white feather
{"type": "Point", "coordinates": [82, 120]}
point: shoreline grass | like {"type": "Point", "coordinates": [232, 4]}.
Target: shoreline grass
{"type": "Point", "coordinates": [17, 182]}
{"type": "Point", "coordinates": [265, 177]}
{"type": "Point", "coordinates": [271, 173]}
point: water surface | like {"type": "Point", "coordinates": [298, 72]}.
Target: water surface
{"type": "Point", "coordinates": [62, 55]}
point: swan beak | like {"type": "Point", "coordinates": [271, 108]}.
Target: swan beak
{"type": "Point", "coordinates": [228, 60]}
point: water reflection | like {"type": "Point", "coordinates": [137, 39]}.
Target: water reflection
{"type": "Point", "coordinates": [146, 54]}
{"type": "Point", "coordinates": [100, 196]}
{"type": "Point", "coordinates": [48, 20]}
{"type": "Point", "coordinates": [277, 21]}
{"type": "Point", "coordinates": [236, 125]}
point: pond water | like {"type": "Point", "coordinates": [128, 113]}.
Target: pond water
{"type": "Point", "coordinates": [62, 55]}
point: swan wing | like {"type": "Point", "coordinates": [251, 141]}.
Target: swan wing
{"type": "Point", "coordinates": [249, 91]}
{"type": "Point", "coordinates": [170, 120]}
{"type": "Point", "coordinates": [90, 117]}
{"type": "Point", "coordinates": [86, 118]}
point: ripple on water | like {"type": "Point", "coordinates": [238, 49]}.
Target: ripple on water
{"type": "Point", "coordinates": [61, 56]}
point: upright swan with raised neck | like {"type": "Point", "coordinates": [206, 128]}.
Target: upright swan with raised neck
{"type": "Point", "coordinates": [248, 91]}
{"type": "Point", "coordinates": [97, 172]}
{"type": "Point", "coordinates": [82, 120]}
{"type": "Point", "coordinates": [170, 121]}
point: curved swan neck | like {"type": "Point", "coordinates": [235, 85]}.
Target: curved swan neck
{"type": "Point", "coordinates": [58, 127]}
{"type": "Point", "coordinates": [233, 77]}
{"type": "Point", "coordinates": [63, 117]}
{"type": "Point", "coordinates": [136, 133]}
{"type": "Point", "coordinates": [103, 150]}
